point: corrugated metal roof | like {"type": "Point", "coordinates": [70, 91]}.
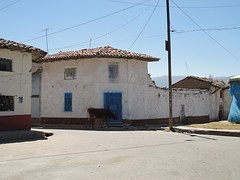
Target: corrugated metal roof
{"type": "Point", "coordinates": [235, 78]}
{"type": "Point", "coordinates": [99, 52]}
{"type": "Point", "coordinates": [12, 45]}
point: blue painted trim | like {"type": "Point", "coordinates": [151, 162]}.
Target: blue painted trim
{"type": "Point", "coordinates": [118, 104]}
{"type": "Point", "coordinates": [68, 102]}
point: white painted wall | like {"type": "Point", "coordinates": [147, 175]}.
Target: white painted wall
{"type": "Point", "coordinates": [156, 103]}
{"type": "Point", "coordinates": [196, 102]}
{"type": "Point", "coordinates": [18, 82]}
{"type": "Point", "coordinates": [227, 99]}
{"type": "Point", "coordinates": [140, 98]}
{"type": "Point", "coordinates": [216, 101]}
{"type": "Point", "coordinates": [89, 86]}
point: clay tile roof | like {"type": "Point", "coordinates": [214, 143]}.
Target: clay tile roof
{"type": "Point", "coordinates": [99, 52]}
{"type": "Point", "coordinates": [215, 83]}
{"type": "Point", "coordinates": [11, 45]}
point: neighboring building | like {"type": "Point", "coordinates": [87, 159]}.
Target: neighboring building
{"type": "Point", "coordinates": [15, 90]}
{"type": "Point", "coordinates": [219, 98]}
{"type": "Point", "coordinates": [234, 114]}
{"type": "Point", "coordinates": [36, 86]}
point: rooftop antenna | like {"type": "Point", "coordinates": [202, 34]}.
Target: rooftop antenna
{"type": "Point", "coordinates": [90, 43]}
{"type": "Point", "coordinates": [46, 35]}
{"type": "Point", "coordinates": [187, 69]}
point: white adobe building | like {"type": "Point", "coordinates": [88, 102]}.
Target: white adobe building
{"type": "Point", "coordinates": [15, 79]}
{"type": "Point", "coordinates": [105, 77]}
{"type": "Point", "coordinates": [219, 97]}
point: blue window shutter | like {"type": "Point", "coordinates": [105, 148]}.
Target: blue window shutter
{"type": "Point", "coordinates": [68, 102]}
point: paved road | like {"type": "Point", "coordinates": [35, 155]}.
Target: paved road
{"type": "Point", "coordinates": [77, 154]}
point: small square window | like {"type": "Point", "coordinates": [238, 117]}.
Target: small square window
{"type": "Point", "coordinates": [5, 64]}
{"type": "Point", "coordinates": [113, 72]}
{"type": "Point", "coordinates": [70, 73]}
{"type": "Point", "coordinates": [6, 103]}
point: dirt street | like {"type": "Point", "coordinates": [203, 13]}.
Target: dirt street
{"type": "Point", "coordinates": [77, 154]}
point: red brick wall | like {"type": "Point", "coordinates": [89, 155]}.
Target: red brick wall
{"type": "Point", "coordinates": [15, 122]}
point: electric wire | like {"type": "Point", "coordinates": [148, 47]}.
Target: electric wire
{"type": "Point", "coordinates": [88, 22]}
{"type": "Point", "coordinates": [103, 35]}
{"type": "Point", "coordinates": [209, 29]}
{"type": "Point", "coordinates": [184, 7]}
{"type": "Point", "coordinates": [145, 25]}
{"type": "Point", "coordinates": [174, 32]}
{"type": "Point", "coordinates": [9, 5]}
{"type": "Point", "coordinates": [228, 51]}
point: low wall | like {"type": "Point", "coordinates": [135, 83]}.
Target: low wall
{"type": "Point", "coordinates": [132, 122]}
{"type": "Point", "coordinates": [196, 119]}
{"type": "Point", "coordinates": [58, 120]}
{"type": "Point", "coordinates": [15, 122]}
{"type": "Point", "coordinates": [142, 122]}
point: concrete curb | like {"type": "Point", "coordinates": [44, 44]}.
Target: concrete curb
{"type": "Point", "coordinates": [23, 135]}
{"type": "Point", "coordinates": [184, 129]}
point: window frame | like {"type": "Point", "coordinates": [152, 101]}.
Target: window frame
{"type": "Point", "coordinates": [8, 67]}
{"type": "Point", "coordinates": [73, 74]}
{"type": "Point", "coordinates": [9, 104]}
{"type": "Point", "coordinates": [113, 72]}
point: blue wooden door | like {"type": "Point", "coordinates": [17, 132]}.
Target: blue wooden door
{"type": "Point", "coordinates": [113, 102]}
{"type": "Point", "coordinates": [68, 102]}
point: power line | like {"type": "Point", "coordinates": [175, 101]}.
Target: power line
{"type": "Point", "coordinates": [85, 43]}
{"type": "Point", "coordinates": [87, 22]}
{"type": "Point", "coordinates": [209, 29]}
{"type": "Point", "coordinates": [126, 2]}
{"type": "Point", "coordinates": [11, 4]}
{"type": "Point", "coordinates": [184, 7]}
{"type": "Point", "coordinates": [175, 32]}
{"type": "Point", "coordinates": [105, 34]}
{"type": "Point", "coordinates": [228, 51]}
{"type": "Point", "coordinates": [73, 45]}
{"type": "Point", "coordinates": [145, 25]}
{"type": "Point", "coordinates": [212, 7]}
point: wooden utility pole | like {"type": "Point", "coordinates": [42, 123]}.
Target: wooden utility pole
{"type": "Point", "coordinates": [168, 48]}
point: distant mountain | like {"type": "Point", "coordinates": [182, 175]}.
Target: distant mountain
{"type": "Point", "coordinates": [222, 78]}
{"type": "Point", "coordinates": [162, 81]}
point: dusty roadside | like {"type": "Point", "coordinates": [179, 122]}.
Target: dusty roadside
{"type": "Point", "coordinates": [217, 125]}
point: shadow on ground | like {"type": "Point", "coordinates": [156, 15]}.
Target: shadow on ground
{"type": "Point", "coordinates": [99, 128]}
{"type": "Point", "coordinates": [23, 136]}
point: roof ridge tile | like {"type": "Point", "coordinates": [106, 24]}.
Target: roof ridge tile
{"type": "Point", "coordinates": [104, 51]}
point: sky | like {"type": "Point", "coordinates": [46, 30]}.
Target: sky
{"type": "Point", "coordinates": [205, 35]}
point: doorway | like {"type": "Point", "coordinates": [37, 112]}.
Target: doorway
{"type": "Point", "coordinates": [113, 102]}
